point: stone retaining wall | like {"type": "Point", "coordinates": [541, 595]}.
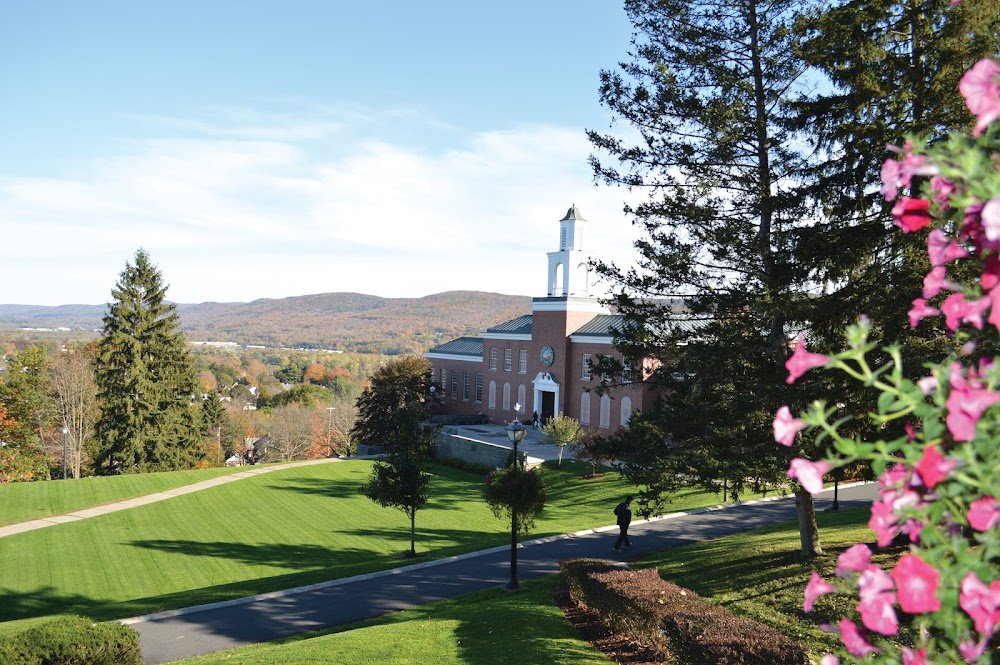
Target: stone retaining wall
{"type": "Point", "coordinates": [469, 450]}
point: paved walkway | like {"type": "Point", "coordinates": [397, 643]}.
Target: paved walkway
{"type": "Point", "coordinates": [31, 525]}
{"type": "Point", "coordinates": [182, 633]}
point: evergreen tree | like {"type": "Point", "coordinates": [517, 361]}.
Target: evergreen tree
{"type": "Point", "coordinates": [145, 377]}
{"type": "Point", "coordinates": [707, 91]}
{"type": "Point", "coordinates": [391, 414]}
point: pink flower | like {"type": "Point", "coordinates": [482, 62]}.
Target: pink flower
{"type": "Point", "coordinates": [981, 88]}
{"type": "Point", "coordinates": [920, 311]}
{"type": "Point", "coordinates": [911, 214]}
{"type": "Point", "coordinates": [829, 659]}
{"type": "Point", "coordinates": [918, 657]}
{"type": "Point", "coordinates": [916, 585]}
{"type": "Point", "coordinates": [802, 361]}
{"type": "Point", "coordinates": [966, 404]}
{"type": "Point", "coordinates": [854, 640]}
{"type": "Point", "coordinates": [991, 272]}
{"type": "Point", "coordinates": [980, 602]}
{"type": "Point", "coordinates": [875, 588]}
{"type": "Point", "coordinates": [991, 218]}
{"type": "Point", "coordinates": [883, 522]}
{"type": "Point", "coordinates": [817, 587]}
{"type": "Point", "coordinates": [941, 249]}
{"type": "Point", "coordinates": [809, 474]}
{"type": "Point", "coordinates": [854, 559]}
{"type": "Point", "coordinates": [957, 310]}
{"type": "Point", "coordinates": [943, 189]}
{"type": "Point", "coordinates": [935, 282]}
{"type": "Point", "coordinates": [927, 384]}
{"type": "Point", "coordinates": [984, 513]}
{"type": "Point", "coordinates": [971, 651]}
{"type": "Point", "coordinates": [786, 427]}
{"type": "Point", "coordinates": [934, 467]}
{"type": "Point", "coordinates": [891, 178]}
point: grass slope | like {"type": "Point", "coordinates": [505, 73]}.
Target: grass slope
{"type": "Point", "coordinates": [20, 502]}
{"type": "Point", "coordinates": [281, 530]}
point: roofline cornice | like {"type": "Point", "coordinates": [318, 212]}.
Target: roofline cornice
{"type": "Point", "coordinates": [520, 337]}
{"type": "Point", "coordinates": [591, 339]}
{"type": "Point", "coordinates": [453, 356]}
{"type": "Point", "coordinates": [564, 304]}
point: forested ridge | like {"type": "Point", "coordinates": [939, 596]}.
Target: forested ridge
{"type": "Point", "coordinates": [342, 321]}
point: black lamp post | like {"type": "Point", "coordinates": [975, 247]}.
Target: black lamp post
{"type": "Point", "coordinates": [65, 431]}
{"type": "Point", "coordinates": [515, 432]}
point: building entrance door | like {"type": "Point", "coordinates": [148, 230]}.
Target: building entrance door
{"type": "Point", "coordinates": [548, 406]}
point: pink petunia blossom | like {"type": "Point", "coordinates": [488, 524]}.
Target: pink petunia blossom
{"type": "Point", "coordinates": [957, 310]}
{"type": "Point", "coordinates": [891, 178]}
{"type": "Point", "coordinates": [935, 282]}
{"type": "Point", "coordinates": [941, 249]}
{"type": "Point", "coordinates": [966, 403]}
{"type": "Point", "coordinates": [971, 651]}
{"type": "Point", "coordinates": [934, 467]}
{"type": "Point", "coordinates": [911, 214]}
{"type": "Point", "coordinates": [991, 272]}
{"type": "Point", "coordinates": [916, 585]}
{"type": "Point", "coordinates": [854, 559]}
{"type": "Point", "coordinates": [927, 384]}
{"type": "Point", "coordinates": [817, 587]}
{"type": "Point", "coordinates": [802, 361]}
{"type": "Point", "coordinates": [984, 513]}
{"type": "Point", "coordinates": [943, 189]}
{"type": "Point", "coordinates": [981, 88]}
{"type": "Point", "coordinates": [918, 657]}
{"type": "Point", "coordinates": [786, 427]}
{"type": "Point", "coordinates": [883, 522]}
{"type": "Point", "coordinates": [853, 639]}
{"type": "Point", "coordinates": [876, 590]}
{"type": "Point", "coordinates": [809, 474]}
{"type": "Point", "coordinates": [829, 659]}
{"type": "Point", "coordinates": [991, 218]}
{"type": "Point", "coordinates": [980, 602]}
{"type": "Point", "coordinates": [920, 311]}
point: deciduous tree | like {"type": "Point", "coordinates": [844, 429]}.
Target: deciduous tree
{"type": "Point", "coordinates": [72, 378]}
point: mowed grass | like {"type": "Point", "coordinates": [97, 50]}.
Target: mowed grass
{"type": "Point", "coordinates": [20, 502]}
{"type": "Point", "coordinates": [281, 530]}
{"type": "Point", "coordinates": [489, 626]}
{"type": "Point", "coordinates": [758, 574]}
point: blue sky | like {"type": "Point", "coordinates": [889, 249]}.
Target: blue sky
{"type": "Point", "coordinates": [272, 149]}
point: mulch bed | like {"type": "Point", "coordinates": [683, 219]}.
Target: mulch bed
{"type": "Point", "coordinates": [616, 647]}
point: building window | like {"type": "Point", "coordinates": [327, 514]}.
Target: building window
{"type": "Point", "coordinates": [454, 384]}
{"type": "Point", "coordinates": [626, 413]}
{"type": "Point", "coordinates": [626, 371]}
{"type": "Point", "coordinates": [507, 354]}
{"type": "Point", "coordinates": [522, 361]}
{"type": "Point", "coordinates": [585, 374]}
{"type": "Point", "coordinates": [493, 395]}
{"type": "Point", "coordinates": [479, 388]}
{"type": "Point", "coordinates": [605, 412]}
{"type": "Point", "coordinates": [506, 397]}
{"type": "Point", "coordinates": [522, 397]}
{"type": "Point", "coordinates": [465, 386]}
{"type": "Point", "coordinates": [493, 360]}
{"type": "Point", "coordinates": [585, 409]}
{"type": "Point", "coordinates": [444, 383]}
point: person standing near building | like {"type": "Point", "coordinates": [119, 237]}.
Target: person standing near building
{"type": "Point", "coordinates": [534, 420]}
{"type": "Point", "coordinates": [624, 513]}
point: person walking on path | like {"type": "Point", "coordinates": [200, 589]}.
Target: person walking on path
{"type": "Point", "coordinates": [624, 512]}
{"type": "Point", "coordinates": [534, 420]}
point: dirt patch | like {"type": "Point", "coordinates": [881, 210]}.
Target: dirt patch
{"type": "Point", "coordinates": [616, 647]}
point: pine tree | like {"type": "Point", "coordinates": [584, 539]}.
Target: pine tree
{"type": "Point", "coordinates": [145, 377]}
{"type": "Point", "coordinates": [706, 90]}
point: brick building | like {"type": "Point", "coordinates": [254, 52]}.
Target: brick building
{"type": "Point", "coordinates": [542, 360]}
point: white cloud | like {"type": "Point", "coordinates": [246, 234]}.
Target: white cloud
{"type": "Point", "coordinates": [306, 205]}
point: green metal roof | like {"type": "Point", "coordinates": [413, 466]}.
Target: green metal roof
{"type": "Point", "coordinates": [463, 346]}
{"type": "Point", "coordinates": [519, 326]}
{"type": "Point", "coordinates": [573, 214]}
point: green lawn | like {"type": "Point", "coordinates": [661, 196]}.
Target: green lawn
{"type": "Point", "coordinates": [20, 502]}
{"type": "Point", "coordinates": [284, 529]}
{"type": "Point", "coordinates": [490, 626]}
{"type": "Point", "coordinates": [758, 574]}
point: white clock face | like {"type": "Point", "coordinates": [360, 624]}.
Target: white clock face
{"type": "Point", "coordinates": [547, 355]}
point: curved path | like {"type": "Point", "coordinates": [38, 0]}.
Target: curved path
{"type": "Point", "coordinates": [125, 504]}
{"type": "Point", "coordinates": [175, 634]}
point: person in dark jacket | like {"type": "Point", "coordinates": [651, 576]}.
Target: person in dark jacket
{"type": "Point", "coordinates": [624, 512]}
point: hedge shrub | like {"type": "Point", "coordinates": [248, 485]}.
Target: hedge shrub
{"type": "Point", "coordinates": [72, 641]}
{"type": "Point", "coordinates": [676, 622]}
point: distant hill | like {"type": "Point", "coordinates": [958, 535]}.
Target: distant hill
{"type": "Point", "coordinates": [343, 321]}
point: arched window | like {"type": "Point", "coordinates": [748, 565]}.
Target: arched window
{"type": "Point", "coordinates": [506, 397]}
{"type": "Point", "coordinates": [492, 395]}
{"type": "Point", "coordinates": [522, 398]}
{"type": "Point", "coordinates": [585, 409]}
{"type": "Point", "coordinates": [557, 288]}
{"type": "Point", "coordinates": [626, 411]}
{"type": "Point", "coordinates": [605, 412]}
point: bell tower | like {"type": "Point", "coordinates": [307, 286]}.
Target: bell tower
{"type": "Point", "coordinates": [569, 274]}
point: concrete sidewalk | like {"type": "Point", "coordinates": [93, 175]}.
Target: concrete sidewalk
{"type": "Point", "coordinates": [125, 504]}
{"type": "Point", "coordinates": [181, 633]}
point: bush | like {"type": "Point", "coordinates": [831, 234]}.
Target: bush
{"type": "Point", "coordinates": [462, 465]}
{"type": "Point", "coordinates": [676, 622]}
{"type": "Point", "coordinates": [72, 641]}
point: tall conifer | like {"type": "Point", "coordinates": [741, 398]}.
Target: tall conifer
{"type": "Point", "coordinates": [145, 378]}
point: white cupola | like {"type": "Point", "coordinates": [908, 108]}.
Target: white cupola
{"type": "Point", "coordinates": [568, 269]}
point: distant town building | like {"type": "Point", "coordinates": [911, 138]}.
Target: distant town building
{"type": "Point", "coordinates": [542, 360]}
